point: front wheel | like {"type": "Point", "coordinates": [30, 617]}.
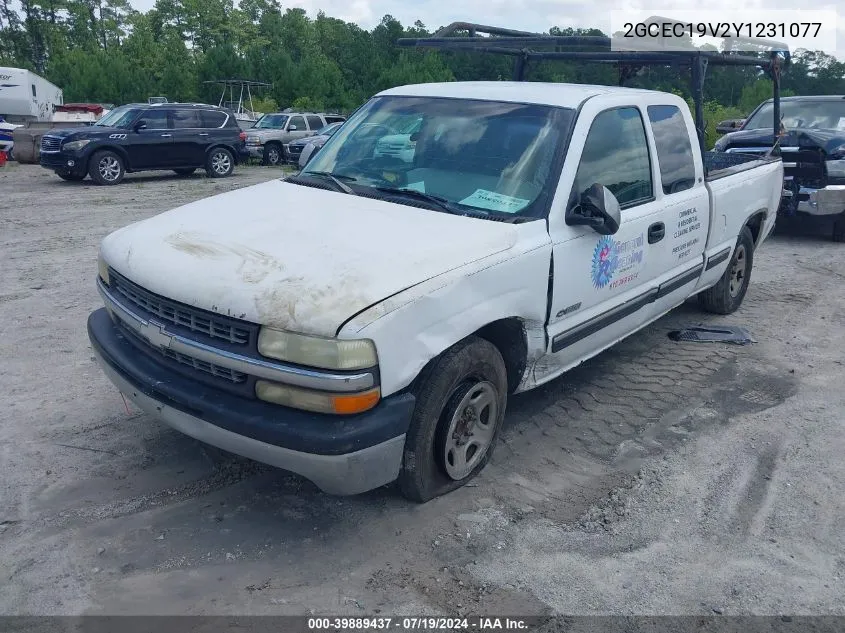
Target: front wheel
{"type": "Point", "coordinates": [106, 168]}
{"type": "Point", "coordinates": [461, 400]}
{"type": "Point", "coordinates": [272, 154]}
{"type": "Point", "coordinates": [727, 295]}
{"type": "Point", "coordinates": [220, 163]}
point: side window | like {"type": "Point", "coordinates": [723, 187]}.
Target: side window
{"type": "Point", "coordinates": [314, 122]}
{"type": "Point", "coordinates": [185, 119]}
{"type": "Point", "coordinates": [334, 119]}
{"type": "Point", "coordinates": [616, 156]}
{"type": "Point", "coordinates": [297, 121]}
{"type": "Point", "coordinates": [156, 119]}
{"type": "Point", "coordinates": [674, 150]}
{"type": "Point", "coordinates": [213, 118]}
{"type": "Point", "coordinates": [33, 90]}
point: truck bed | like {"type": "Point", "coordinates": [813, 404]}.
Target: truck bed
{"type": "Point", "coordinates": [720, 164]}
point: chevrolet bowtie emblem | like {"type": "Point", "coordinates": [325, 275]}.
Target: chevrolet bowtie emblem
{"type": "Point", "coordinates": [155, 334]}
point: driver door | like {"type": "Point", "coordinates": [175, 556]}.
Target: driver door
{"type": "Point", "coordinates": [604, 284]}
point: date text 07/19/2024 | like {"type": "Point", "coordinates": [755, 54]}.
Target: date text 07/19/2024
{"type": "Point", "coordinates": [417, 624]}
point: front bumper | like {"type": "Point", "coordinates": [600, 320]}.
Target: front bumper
{"type": "Point", "coordinates": [342, 455]}
{"type": "Point", "coordinates": [62, 161]}
{"type": "Point", "coordinates": [827, 201]}
{"type": "Point", "coordinates": [255, 151]}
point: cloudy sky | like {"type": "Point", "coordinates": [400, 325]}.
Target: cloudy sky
{"type": "Point", "coordinates": [539, 15]}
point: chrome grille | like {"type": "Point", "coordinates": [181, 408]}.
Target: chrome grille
{"type": "Point", "coordinates": [231, 375]}
{"type": "Point", "coordinates": [201, 321]}
{"type": "Point", "coordinates": [50, 144]}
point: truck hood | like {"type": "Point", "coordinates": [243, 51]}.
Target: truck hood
{"type": "Point", "coordinates": [827, 140]}
{"type": "Point", "coordinates": [295, 257]}
{"type": "Point", "coordinates": [264, 132]}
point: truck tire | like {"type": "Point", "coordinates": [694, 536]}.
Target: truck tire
{"type": "Point", "coordinates": [106, 168]}
{"type": "Point", "coordinates": [839, 228]}
{"type": "Point", "coordinates": [273, 154]}
{"type": "Point", "coordinates": [220, 163]}
{"type": "Point", "coordinates": [727, 295]}
{"type": "Point", "coordinates": [461, 399]}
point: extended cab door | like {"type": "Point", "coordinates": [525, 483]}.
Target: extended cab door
{"type": "Point", "coordinates": [604, 286]}
{"type": "Point", "coordinates": [685, 199]}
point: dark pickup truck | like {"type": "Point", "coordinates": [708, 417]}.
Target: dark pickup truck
{"type": "Point", "coordinates": [812, 146]}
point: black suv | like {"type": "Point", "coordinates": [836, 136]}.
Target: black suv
{"type": "Point", "coordinates": [141, 137]}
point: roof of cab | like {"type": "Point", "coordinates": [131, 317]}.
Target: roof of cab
{"type": "Point", "coordinates": [553, 94]}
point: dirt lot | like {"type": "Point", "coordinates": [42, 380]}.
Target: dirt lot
{"type": "Point", "coordinates": [659, 478]}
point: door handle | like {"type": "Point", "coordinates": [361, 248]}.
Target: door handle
{"type": "Point", "coordinates": [166, 135]}
{"type": "Point", "coordinates": [203, 133]}
{"type": "Point", "coordinates": [656, 232]}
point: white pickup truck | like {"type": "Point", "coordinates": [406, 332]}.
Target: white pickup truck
{"type": "Point", "coordinates": [365, 321]}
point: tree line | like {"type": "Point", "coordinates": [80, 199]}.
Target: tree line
{"type": "Point", "coordinates": [105, 51]}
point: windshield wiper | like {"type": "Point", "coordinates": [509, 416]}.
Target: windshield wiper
{"type": "Point", "coordinates": [335, 178]}
{"type": "Point", "coordinates": [443, 203]}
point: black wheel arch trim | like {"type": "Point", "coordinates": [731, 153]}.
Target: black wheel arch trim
{"type": "Point", "coordinates": [718, 258]}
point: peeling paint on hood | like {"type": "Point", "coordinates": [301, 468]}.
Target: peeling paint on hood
{"type": "Point", "coordinates": [295, 257]}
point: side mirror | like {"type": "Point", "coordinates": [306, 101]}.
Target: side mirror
{"type": "Point", "coordinates": [292, 128]}
{"type": "Point", "coordinates": [597, 208]}
{"type": "Point", "coordinates": [140, 125]}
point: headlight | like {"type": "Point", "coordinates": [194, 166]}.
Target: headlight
{"type": "Point", "coordinates": [325, 353]}
{"type": "Point", "coordinates": [73, 146]}
{"type": "Point", "coordinates": [317, 401]}
{"type": "Point", "coordinates": [253, 140]}
{"type": "Point", "coordinates": [835, 168]}
{"type": "Point", "coordinates": [103, 268]}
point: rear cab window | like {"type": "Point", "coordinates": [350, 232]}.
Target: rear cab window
{"type": "Point", "coordinates": [616, 155]}
{"type": "Point", "coordinates": [674, 149]}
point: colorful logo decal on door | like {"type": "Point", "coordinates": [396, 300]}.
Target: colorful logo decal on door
{"type": "Point", "coordinates": [605, 260]}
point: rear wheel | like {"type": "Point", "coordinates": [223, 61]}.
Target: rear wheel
{"type": "Point", "coordinates": [461, 399]}
{"type": "Point", "coordinates": [106, 168]}
{"type": "Point", "coordinates": [272, 154]}
{"type": "Point", "coordinates": [220, 163]}
{"type": "Point", "coordinates": [185, 171]}
{"type": "Point", "coordinates": [727, 295]}
{"type": "Point", "coordinates": [839, 228]}
{"type": "Point", "coordinates": [71, 177]}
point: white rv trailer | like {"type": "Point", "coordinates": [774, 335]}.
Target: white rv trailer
{"type": "Point", "coordinates": [25, 96]}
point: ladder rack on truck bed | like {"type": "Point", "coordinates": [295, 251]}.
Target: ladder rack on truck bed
{"type": "Point", "coordinates": [526, 47]}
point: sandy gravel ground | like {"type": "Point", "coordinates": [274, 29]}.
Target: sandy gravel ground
{"type": "Point", "coordinates": [659, 478]}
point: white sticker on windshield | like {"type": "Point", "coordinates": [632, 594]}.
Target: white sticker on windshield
{"type": "Point", "coordinates": [484, 199]}
{"type": "Point", "coordinates": [841, 124]}
{"type": "Point", "coordinates": [417, 186]}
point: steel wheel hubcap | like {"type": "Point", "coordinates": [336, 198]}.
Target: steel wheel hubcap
{"type": "Point", "coordinates": [220, 163]}
{"type": "Point", "coordinates": [738, 271]}
{"type": "Point", "coordinates": [470, 431]}
{"type": "Point", "coordinates": [109, 168]}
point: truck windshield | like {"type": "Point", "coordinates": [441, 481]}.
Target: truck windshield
{"type": "Point", "coordinates": [119, 117]}
{"type": "Point", "coordinates": [804, 113]}
{"type": "Point", "coordinates": [271, 122]}
{"type": "Point", "coordinates": [484, 156]}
